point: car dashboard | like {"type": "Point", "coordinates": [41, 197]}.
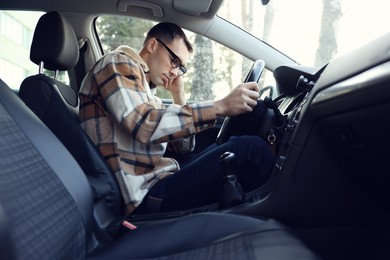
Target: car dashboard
{"type": "Point", "coordinates": [331, 178]}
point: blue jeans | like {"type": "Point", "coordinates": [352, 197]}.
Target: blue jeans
{"type": "Point", "coordinates": [199, 181]}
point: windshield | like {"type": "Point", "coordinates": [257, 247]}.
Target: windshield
{"type": "Point", "coordinates": [311, 31]}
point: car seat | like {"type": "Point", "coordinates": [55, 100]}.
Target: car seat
{"type": "Point", "coordinates": [55, 48]}
{"type": "Point", "coordinates": [46, 209]}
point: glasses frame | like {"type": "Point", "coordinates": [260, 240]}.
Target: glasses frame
{"type": "Point", "coordinates": [175, 58]}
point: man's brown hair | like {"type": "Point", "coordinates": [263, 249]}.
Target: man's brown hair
{"type": "Point", "coordinates": [167, 32]}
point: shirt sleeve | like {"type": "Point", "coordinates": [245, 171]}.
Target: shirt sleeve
{"type": "Point", "coordinates": [183, 145]}
{"type": "Point", "coordinates": [129, 103]}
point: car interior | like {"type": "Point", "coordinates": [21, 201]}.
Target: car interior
{"type": "Point", "coordinates": [327, 197]}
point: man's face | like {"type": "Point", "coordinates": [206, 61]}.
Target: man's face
{"type": "Point", "coordinates": [163, 63]}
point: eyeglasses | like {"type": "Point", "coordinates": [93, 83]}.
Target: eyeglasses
{"type": "Point", "coordinates": [175, 62]}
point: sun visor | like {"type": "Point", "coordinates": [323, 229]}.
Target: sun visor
{"type": "Point", "coordinates": [192, 7]}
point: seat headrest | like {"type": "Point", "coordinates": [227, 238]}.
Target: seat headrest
{"type": "Point", "coordinates": [54, 43]}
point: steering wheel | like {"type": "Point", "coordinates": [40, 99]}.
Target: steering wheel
{"type": "Point", "coordinates": [247, 123]}
{"type": "Point", "coordinates": [255, 71]}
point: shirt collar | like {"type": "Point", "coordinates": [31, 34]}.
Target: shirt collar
{"type": "Point", "coordinates": [134, 55]}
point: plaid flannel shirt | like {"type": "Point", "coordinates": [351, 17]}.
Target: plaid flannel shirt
{"type": "Point", "coordinates": [131, 127]}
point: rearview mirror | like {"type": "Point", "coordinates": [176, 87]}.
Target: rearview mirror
{"type": "Point", "coordinates": [264, 2]}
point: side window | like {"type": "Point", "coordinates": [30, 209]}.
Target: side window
{"type": "Point", "coordinates": [213, 69]}
{"type": "Point", "coordinates": [16, 33]}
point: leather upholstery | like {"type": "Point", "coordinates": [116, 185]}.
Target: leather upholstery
{"type": "Point", "coordinates": [54, 43]}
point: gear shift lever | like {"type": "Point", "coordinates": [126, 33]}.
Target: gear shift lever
{"type": "Point", "coordinates": [232, 193]}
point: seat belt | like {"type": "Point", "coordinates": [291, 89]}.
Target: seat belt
{"type": "Point", "coordinates": [80, 66]}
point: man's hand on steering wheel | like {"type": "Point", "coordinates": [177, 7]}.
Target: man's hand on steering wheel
{"type": "Point", "coordinates": [236, 113]}
{"type": "Point", "coordinates": [240, 100]}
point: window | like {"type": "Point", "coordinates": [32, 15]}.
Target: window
{"type": "Point", "coordinates": [311, 32]}
{"type": "Point", "coordinates": [12, 74]}
{"type": "Point", "coordinates": [11, 28]}
{"type": "Point", "coordinates": [213, 69]}
{"type": "Point", "coordinates": [16, 33]}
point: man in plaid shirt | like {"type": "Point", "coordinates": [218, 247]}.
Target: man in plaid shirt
{"type": "Point", "coordinates": [132, 128]}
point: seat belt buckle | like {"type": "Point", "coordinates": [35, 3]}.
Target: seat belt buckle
{"type": "Point", "coordinates": [129, 225]}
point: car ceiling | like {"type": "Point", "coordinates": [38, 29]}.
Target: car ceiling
{"type": "Point", "coordinates": [169, 9]}
{"type": "Point", "coordinates": [198, 16]}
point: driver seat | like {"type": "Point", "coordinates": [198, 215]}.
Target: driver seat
{"type": "Point", "coordinates": [55, 48]}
